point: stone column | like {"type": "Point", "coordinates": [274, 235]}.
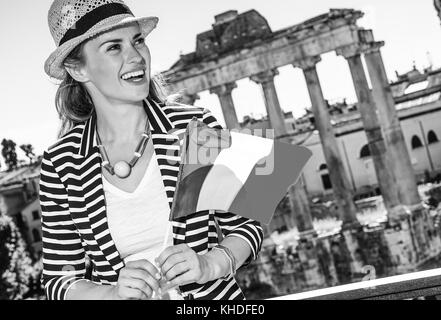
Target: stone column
{"type": "Point", "coordinates": [297, 193]}
{"type": "Point", "coordinates": [226, 101]}
{"type": "Point", "coordinates": [189, 98]}
{"type": "Point", "coordinates": [275, 114]}
{"type": "Point", "coordinates": [371, 123]}
{"type": "Point", "coordinates": [437, 4]}
{"type": "Point", "coordinates": [340, 182]}
{"type": "Point", "coordinates": [393, 135]}
{"type": "Point", "coordinates": [300, 205]}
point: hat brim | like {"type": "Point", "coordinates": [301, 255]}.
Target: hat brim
{"type": "Point", "coordinates": [53, 65]}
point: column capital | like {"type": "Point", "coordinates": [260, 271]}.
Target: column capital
{"type": "Point", "coordinates": [224, 89]}
{"type": "Point", "coordinates": [307, 63]}
{"type": "Point", "coordinates": [355, 49]}
{"type": "Point", "coordinates": [372, 47]}
{"type": "Point", "coordinates": [265, 76]}
{"type": "Point", "coordinates": [350, 51]}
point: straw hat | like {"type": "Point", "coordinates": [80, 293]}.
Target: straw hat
{"type": "Point", "coordinates": [73, 21]}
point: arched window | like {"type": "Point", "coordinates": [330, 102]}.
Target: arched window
{"type": "Point", "coordinates": [431, 137]}
{"type": "Point", "coordinates": [365, 152]}
{"type": "Point", "coordinates": [36, 235]}
{"type": "Point", "coordinates": [326, 181]}
{"type": "Point", "coordinates": [416, 142]}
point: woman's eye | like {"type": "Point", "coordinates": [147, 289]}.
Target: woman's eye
{"type": "Point", "coordinates": [140, 41]}
{"type": "Point", "coordinates": [114, 47]}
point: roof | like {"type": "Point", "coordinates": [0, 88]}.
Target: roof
{"type": "Point", "coordinates": [19, 175]}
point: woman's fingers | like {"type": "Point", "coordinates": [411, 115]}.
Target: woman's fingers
{"type": "Point", "coordinates": [170, 251]}
{"type": "Point", "coordinates": [180, 264]}
{"type": "Point", "coordinates": [171, 261]}
{"type": "Point", "coordinates": [146, 271]}
{"type": "Point", "coordinates": [143, 275]}
{"type": "Point", "coordinates": [180, 280]}
{"type": "Point", "coordinates": [130, 293]}
{"type": "Point", "coordinates": [138, 284]}
{"type": "Point", "coordinates": [177, 269]}
{"type": "Point", "coordinates": [139, 275]}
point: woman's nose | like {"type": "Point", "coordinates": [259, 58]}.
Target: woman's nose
{"type": "Point", "coordinates": [133, 56]}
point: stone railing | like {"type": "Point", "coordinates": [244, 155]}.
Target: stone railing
{"type": "Point", "coordinates": [417, 285]}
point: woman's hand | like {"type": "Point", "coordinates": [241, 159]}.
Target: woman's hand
{"type": "Point", "coordinates": [181, 265]}
{"type": "Point", "coordinates": [137, 280]}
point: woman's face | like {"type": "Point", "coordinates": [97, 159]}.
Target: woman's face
{"type": "Point", "coordinates": [117, 65]}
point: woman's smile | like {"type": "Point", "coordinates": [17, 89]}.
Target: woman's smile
{"type": "Point", "coordinates": [135, 77]}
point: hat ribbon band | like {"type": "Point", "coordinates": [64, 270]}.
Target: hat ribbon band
{"type": "Point", "coordinates": [92, 18]}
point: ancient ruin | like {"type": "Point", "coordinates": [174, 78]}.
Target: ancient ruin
{"type": "Point", "coordinates": [243, 46]}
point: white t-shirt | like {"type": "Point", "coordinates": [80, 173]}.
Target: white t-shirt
{"type": "Point", "coordinates": [138, 220]}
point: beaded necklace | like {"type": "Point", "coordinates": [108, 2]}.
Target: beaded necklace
{"type": "Point", "coordinates": [122, 169]}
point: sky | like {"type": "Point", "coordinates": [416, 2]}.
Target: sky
{"type": "Point", "coordinates": [411, 30]}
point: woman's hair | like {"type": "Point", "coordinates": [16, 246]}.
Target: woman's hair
{"type": "Point", "coordinates": [74, 104]}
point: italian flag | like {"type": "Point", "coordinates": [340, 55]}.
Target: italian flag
{"type": "Point", "coordinates": [235, 172]}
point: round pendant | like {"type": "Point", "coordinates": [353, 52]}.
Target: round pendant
{"type": "Point", "coordinates": [122, 169]}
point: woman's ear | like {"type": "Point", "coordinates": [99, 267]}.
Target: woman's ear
{"type": "Point", "coordinates": [77, 72]}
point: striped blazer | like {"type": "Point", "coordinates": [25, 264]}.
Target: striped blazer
{"type": "Point", "coordinates": [73, 205]}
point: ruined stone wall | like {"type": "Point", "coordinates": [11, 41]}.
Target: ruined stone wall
{"type": "Point", "coordinates": [410, 245]}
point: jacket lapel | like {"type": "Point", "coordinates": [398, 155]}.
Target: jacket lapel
{"type": "Point", "coordinates": [95, 201]}
{"type": "Point", "coordinates": [167, 150]}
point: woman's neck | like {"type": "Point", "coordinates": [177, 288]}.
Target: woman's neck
{"type": "Point", "coordinates": [120, 122]}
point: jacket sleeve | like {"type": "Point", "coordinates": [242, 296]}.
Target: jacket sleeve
{"type": "Point", "coordinates": [234, 225]}
{"type": "Point", "coordinates": [63, 254]}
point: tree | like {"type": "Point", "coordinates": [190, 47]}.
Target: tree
{"type": "Point", "coordinates": [9, 154]}
{"type": "Point", "coordinates": [28, 149]}
{"type": "Point", "coordinates": [16, 268]}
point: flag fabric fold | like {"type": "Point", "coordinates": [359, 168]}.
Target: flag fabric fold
{"type": "Point", "coordinates": [234, 172]}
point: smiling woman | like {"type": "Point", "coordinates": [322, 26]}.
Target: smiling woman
{"type": "Point", "coordinates": [116, 117]}
{"type": "Point", "coordinates": [73, 100]}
